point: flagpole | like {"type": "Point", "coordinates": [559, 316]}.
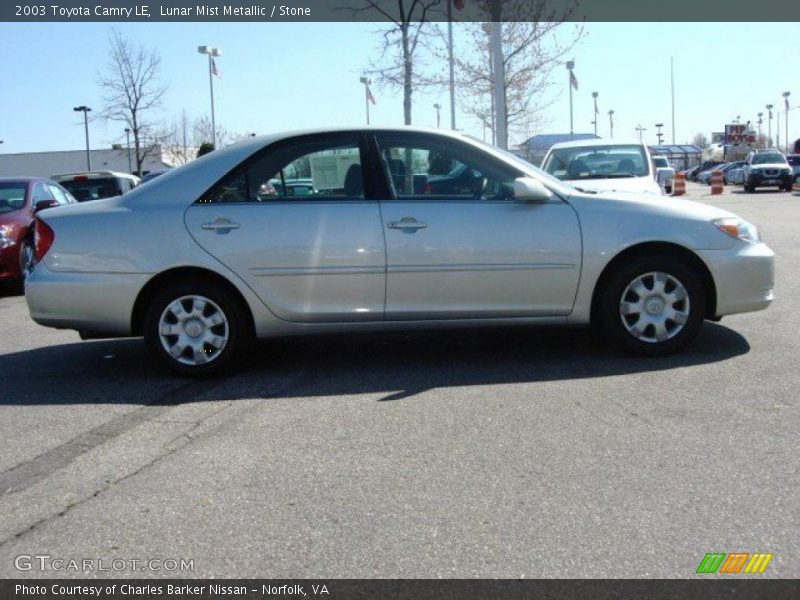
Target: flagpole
{"type": "Point", "coordinates": [452, 70]}
{"type": "Point", "coordinates": [570, 66]}
{"type": "Point", "coordinates": [672, 88]}
{"type": "Point", "coordinates": [594, 95]}
{"type": "Point", "coordinates": [213, 117]}
{"type": "Point", "coordinates": [366, 83]}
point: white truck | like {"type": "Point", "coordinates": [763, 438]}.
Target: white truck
{"type": "Point", "coordinates": [665, 172]}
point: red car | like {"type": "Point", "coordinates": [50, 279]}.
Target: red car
{"type": "Point", "coordinates": [20, 199]}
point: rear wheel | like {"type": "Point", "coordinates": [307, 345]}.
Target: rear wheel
{"type": "Point", "coordinates": [197, 329]}
{"type": "Point", "coordinates": [653, 306]}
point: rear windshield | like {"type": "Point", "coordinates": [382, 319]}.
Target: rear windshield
{"type": "Point", "coordinates": [93, 189]}
{"type": "Point", "coordinates": [597, 162]}
{"type": "Point", "coordinates": [12, 196]}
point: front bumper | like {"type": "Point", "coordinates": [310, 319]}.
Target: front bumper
{"type": "Point", "coordinates": [92, 302]}
{"type": "Point", "coordinates": [759, 179]}
{"type": "Point", "coordinates": [744, 276]}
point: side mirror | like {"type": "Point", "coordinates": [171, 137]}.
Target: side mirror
{"type": "Point", "coordinates": [42, 204]}
{"type": "Point", "coordinates": [528, 189]}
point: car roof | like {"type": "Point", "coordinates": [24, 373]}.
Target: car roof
{"type": "Point", "coordinates": [598, 143]}
{"type": "Point", "coordinates": [94, 175]}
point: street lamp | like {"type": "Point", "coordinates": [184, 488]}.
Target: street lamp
{"type": "Point", "coordinates": [212, 53]}
{"type": "Point", "coordinates": [570, 66]}
{"type": "Point", "coordinates": [760, 121]}
{"type": "Point", "coordinates": [367, 94]}
{"type": "Point", "coordinates": [611, 122]}
{"type": "Point", "coordinates": [438, 107]}
{"type": "Point", "coordinates": [594, 95]}
{"type": "Point", "coordinates": [641, 130]}
{"type": "Point", "coordinates": [128, 145]}
{"type": "Point", "coordinates": [659, 135]}
{"type": "Point", "coordinates": [769, 125]}
{"type": "Point", "coordinates": [786, 119]}
{"type": "Point", "coordinates": [85, 110]}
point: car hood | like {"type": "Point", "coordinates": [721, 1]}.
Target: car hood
{"type": "Point", "coordinates": [639, 203]}
{"type": "Point", "coordinates": [623, 184]}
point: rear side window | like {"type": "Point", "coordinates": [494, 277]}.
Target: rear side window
{"type": "Point", "coordinates": [41, 192]}
{"type": "Point", "coordinates": [319, 168]}
{"type": "Point", "coordinates": [59, 194]}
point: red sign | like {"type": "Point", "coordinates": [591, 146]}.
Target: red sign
{"type": "Point", "coordinates": [736, 133]}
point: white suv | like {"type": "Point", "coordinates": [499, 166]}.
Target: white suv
{"type": "Point", "coordinates": [603, 166]}
{"type": "Point", "coordinates": [94, 185]}
{"type": "Point", "coordinates": [766, 168]}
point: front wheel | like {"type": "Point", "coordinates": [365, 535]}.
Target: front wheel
{"type": "Point", "coordinates": [653, 306]}
{"type": "Point", "coordinates": [26, 260]}
{"type": "Point", "coordinates": [197, 329]}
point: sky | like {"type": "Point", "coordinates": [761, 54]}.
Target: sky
{"type": "Point", "coordinates": [281, 76]}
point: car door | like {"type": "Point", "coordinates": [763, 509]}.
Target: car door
{"type": "Point", "coordinates": [309, 257]}
{"type": "Point", "coordinates": [462, 247]}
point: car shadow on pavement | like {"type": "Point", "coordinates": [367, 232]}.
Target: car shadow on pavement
{"type": "Point", "coordinates": [392, 366]}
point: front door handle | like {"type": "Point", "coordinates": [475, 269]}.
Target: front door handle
{"type": "Point", "coordinates": [221, 225]}
{"type": "Point", "coordinates": [407, 223]}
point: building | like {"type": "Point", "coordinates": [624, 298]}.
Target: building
{"type": "Point", "coordinates": [534, 149]}
{"type": "Point", "coordinates": [46, 164]}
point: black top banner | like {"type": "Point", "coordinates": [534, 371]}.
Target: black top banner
{"type": "Point", "coordinates": [399, 589]}
{"type": "Point", "coordinates": [396, 10]}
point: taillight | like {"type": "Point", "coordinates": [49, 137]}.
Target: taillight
{"type": "Point", "coordinates": [43, 238]}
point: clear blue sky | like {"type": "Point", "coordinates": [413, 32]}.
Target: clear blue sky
{"type": "Point", "coordinates": [282, 76]}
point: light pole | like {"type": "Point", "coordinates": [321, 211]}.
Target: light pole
{"type": "Point", "coordinates": [786, 119]}
{"type": "Point", "coordinates": [438, 107]}
{"type": "Point", "coordinates": [611, 122]}
{"type": "Point", "coordinates": [570, 66]}
{"type": "Point", "coordinates": [760, 121]}
{"type": "Point", "coordinates": [211, 53]}
{"type": "Point", "coordinates": [128, 145]}
{"type": "Point", "coordinates": [85, 110]}
{"type": "Point", "coordinates": [641, 130]}
{"type": "Point", "coordinates": [769, 124]}
{"type": "Point", "coordinates": [659, 135]}
{"type": "Point", "coordinates": [594, 95]}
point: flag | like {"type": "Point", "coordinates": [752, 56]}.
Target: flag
{"type": "Point", "coordinates": [573, 81]}
{"type": "Point", "coordinates": [214, 68]}
{"type": "Point", "coordinates": [459, 4]}
{"type": "Point", "coordinates": [370, 97]}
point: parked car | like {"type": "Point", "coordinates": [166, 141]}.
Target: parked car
{"type": "Point", "coordinates": [729, 172]}
{"type": "Point", "coordinates": [301, 186]}
{"type": "Point", "coordinates": [665, 172]}
{"type": "Point", "coordinates": [767, 169]}
{"type": "Point", "coordinates": [794, 162]}
{"type": "Point", "coordinates": [20, 199]}
{"type": "Point", "coordinates": [96, 185]}
{"type": "Point", "coordinates": [692, 174]}
{"type": "Point", "coordinates": [603, 165]}
{"type": "Point", "coordinates": [152, 175]}
{"type": "Point", "coordinates": [735, 176]}
{"type": "Point", "coordinates": [221, 265]}
{"type": "Point", "coordinates": [705, 176]}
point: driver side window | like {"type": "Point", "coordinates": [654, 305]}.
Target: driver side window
{"type": "Point", "coordinates": [423, 168]}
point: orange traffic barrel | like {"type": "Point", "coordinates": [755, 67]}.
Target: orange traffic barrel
{"type": "Point", "coordinates": [679, 184]}
{"type": "Point", "coordinates": [716, 182]}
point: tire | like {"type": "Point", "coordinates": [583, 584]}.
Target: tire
{"type": "Point", "coordinates": [640, 323]}
{"type": "Point", "coordinates": [26, 262]}
{"type": "Point", "coordinates": [209, 336]}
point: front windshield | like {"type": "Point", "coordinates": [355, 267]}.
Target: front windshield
{"type": "Point", "coordinates": [762, 159]}
{"type": "Point", "coordinates": [597, 162]}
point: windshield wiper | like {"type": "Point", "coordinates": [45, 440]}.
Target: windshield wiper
{"type": "Point", "coordinates": [619, 176]}
{"type": "Point", "coordinates": [580, 189]}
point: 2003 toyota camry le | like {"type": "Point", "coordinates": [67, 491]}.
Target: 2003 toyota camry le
{"type": "Point", "coordinates": [391, 228]}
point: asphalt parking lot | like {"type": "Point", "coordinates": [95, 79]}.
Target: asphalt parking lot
{"type": "Point", "coordinates": [490, 453]}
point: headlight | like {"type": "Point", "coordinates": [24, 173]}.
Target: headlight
{"type": "Point", "coordinates": [5, 237]}
{"type": "Point", "coordinates": [738, 228]}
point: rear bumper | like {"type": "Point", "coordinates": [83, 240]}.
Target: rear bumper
{"type": "Point", "coordinates": [744, 277]}
{"type": "Point", "coordinates": [95, 302]}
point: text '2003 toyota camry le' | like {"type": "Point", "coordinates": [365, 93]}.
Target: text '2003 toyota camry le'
{"type": "Point", "coordinates": [344, 230]}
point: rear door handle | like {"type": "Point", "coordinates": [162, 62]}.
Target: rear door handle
{"type": "Point", "coordinates": [221, 225]}
{"type": "Point", "coordinates": [407, 223]}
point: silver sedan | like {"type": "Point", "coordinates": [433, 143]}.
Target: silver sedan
{"type": "Point", "coordinates": [398, 228]}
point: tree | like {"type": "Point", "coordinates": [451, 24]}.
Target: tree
{"type": "Point", "coordinates": [132, 93]}
{"type": "Point", "coordinates": [700, 140]}
{"type": "Point", "coordinates": [205, 148]}
{"type": "Point", "coordinates": [534, 42]}
{"type": "Point", "coordinates": [397, 66]}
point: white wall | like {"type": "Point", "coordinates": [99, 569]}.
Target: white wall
{"type": "Point", "coordinates": [46, 164]}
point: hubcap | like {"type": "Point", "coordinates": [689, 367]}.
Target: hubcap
{"type": "Point", "coordinates": [654, 307]}
{"type": "Point", "coordinates": [193, 330]}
